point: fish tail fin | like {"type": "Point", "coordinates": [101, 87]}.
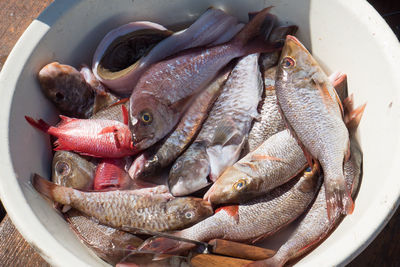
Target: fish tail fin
{"type": "Point", "coordinates": [352, 117]}
{"type": "Point", "coordinates": [253, 27]}
{"type": "Point", "coordinates": [338, 198]}
{"type": "Point", "coordinates": [40, 124]}
{"type": "Point", "coordinates": [50, 190]}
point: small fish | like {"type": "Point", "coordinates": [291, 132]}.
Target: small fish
{"type": "Point", "coordinates": [110, 244]}
{"type": "Point", "coordinates": [71, 170]}
{"type": "Point", "coordinates": [313, 111]}
{"type": "Point", "coordinates": [250, 222]}
{"type": "Point", "coordinates": [96, 138]}
{"type": "Point", "coordinates": [315, 225]}
{"type": "Point", "coordinates": [272, 164]}
{"type": "Point", "coordinates": [111, 174]}
{"type": "Point", "coordinates": [176, 142]}
{"type": "Point", "coordinates": [270, 120]}
{"type": "Point", "coordinates": [220, 141]}
{"type": "Point", "coordinates": [67, 89]}
{"type": "Point", "coordinates": [167, 88]}
{"type": "Point", "coordinates": [141, 208]}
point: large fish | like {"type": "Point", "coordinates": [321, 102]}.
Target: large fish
{"type": "Point", "coordinates": [148, 209]}
{"type": "Point", "coordinates": [312, 109]}
{"type": "Point", "coordinates": [166, 89]}
{"type": "Point", "coordinates": [251, 221]}
{"type": "Point", "coordinates": [315, 225]}
{"type": "Point", "coordinates": [222, 136]}
{"type": "Point", "coordinates": [175, 143]}
{"type": "Point", "coordinates": [272, 164]}
{"type": "Point", "coordinates": [91, 137]}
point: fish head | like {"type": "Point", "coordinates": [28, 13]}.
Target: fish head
{"type": "Point", "coordinates": [72, 170]}
{"type": "Point", "coordinates": [150, 120]}
{"type": "Point", "coordinates": [296, 63]}
{"type": "Point", "coordinates": [233, 186]}
{"type": "Point", "coordinates": [189, 210]}
{"type": "Point", "coordinates": [190, 171]}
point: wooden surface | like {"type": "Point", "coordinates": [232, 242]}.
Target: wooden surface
{"type": "Point", "coordinates": [15, 16]}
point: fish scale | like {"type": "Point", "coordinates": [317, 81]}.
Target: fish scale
{"type": "Point", "coordinates": [233, 112]}
{"type": "Point", "coordinates": [119, 208]}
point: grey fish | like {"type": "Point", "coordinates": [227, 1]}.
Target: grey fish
{"type": "Point", "coordinates": [141, 208]}
{"type": "Point", "coordinates": [312, 109]}
{"type": "Point", "coordinates": [166, 89]}
{"type": "Point", "coordinates": [176, 142]}
{"type": "Point", "coordinates": [222, 136]}
{"type": "Point", "coordinates": [110, 244]}
{"type": "Point", "coordinates": [249, 222]}
{"type": "Point", "coordinates": [315, 225]}
{"type": "Point", "coordinates": [272, 164]}
{"type": "Point", "coordinates": [270, 120]}
{"type": "Point", "coordinates": [67, 89]}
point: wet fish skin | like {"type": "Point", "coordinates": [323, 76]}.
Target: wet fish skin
{"type": "Point", "coordinates": [177, 141]}
{"type": "Point", "coordinates": [164, 91]}
{"type": "Point", "coordinates": [315, 224]}
{"type": "Point", "coordinates": [110, 244]}
{"type": "Point", "coordinates": [222, 136]}
{"type": "Point", "coordinates": [312, 109]}
{"type": "Point", "coordinates": [71, 170]}
{"type": "Point", "coordinates": [96, 138]}
{"type": "Point", "coordinates": [252, 221]}
{"type": "Point", "coordinates": [67, 89]}
{"type": "Point", "coordinates": [272, 164]}
{"type": "Point", "coordinates": [111, 175]}
{"type": "Point", "coordinates": [129, 208]}
{"type": "Point", "coordinates": [270, 120]}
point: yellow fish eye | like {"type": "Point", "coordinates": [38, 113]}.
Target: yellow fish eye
{"type": "Point", "coordinates": [146, 117]}
{"type": "Point", "coordinates": [240, 184]}
{"type": "Point", "coordinates": [288, 62]}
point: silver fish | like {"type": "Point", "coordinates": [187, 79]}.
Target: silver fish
{"type": "Point", "coordinates": [222, 136]}
{"type": "Point", "coordinates": [251, 221]}
{"type": "Point", "coordinates": [272, 164]}
{"type": "Point", "coordinates": [312, 109]}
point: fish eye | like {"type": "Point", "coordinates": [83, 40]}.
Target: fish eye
{"type": "Point", "coordinates": [240, 184]}
{"type": "Point", "coordinates": [146, 117]}
{"type": "Point", "coordinates": [62, 168]}
{"type": "Point", "coordinates": [189, 215]}
{"type": "Point", "coordinates": [308, 169]}
{"type": "Point", "coordinates": [288, 62]}
{"type": "Point", "coordinates": [59, 96]}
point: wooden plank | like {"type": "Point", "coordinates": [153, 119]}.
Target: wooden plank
{"type": "Point", "coordinates": [239, 250]}
{"type": "Point", "coordinates": [14, 250]}
{"type": "Point", "coordinates": [209, 260]}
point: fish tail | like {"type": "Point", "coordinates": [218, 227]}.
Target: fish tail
{"type": "Point", "coordinates": [253, 27]}
{"type": "Point", "coordinates": [55, 192]}
{"type": "Point", "coordinates": [40, 124]}
{"type": "Point", "coordinates": [338, 198]}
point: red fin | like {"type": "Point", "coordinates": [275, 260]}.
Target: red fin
{"type": "Point", "coordinates": [40, 124]}
{"type": "Point", "coordinates": [327, 98]}
{"type": "Point", "coordinates": [109, 129]}
{"type": "Point", "coordinates": [66, 119]}
{"type": "Point", "coordinates": [230, 210]}
{"type": "Point", "coordinates": [122, 101]}
{"type": "Point", "coordinates": [353, 118]}
{"type": "Point", "coordinates": [125, 115]}
{"type": "Point", "coordinates": [265, 157]}
{"type": "Point", "coordinates": [338, 200]}
{"type": "Point", "coordinates": [60, 145]}
{"type": "Point", "coordinates": [340, 85]}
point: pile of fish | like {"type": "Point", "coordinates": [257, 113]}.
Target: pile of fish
{"type": "Point", "coordinates": [167, 127]}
